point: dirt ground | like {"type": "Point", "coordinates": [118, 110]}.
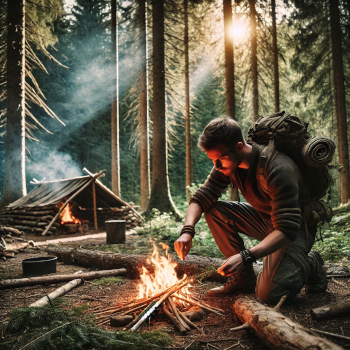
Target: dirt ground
{"type": "Point", "coordinates": [212, 328]}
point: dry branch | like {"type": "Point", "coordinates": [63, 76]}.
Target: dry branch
{"type": "Point", "coordinates": [58, 292]}
{"type": "Point", "coordinates": [330, 311]}
{"type": "Point", "coordinates": [23, 282]}
{"type": "Point", "coordinates": [196, 303]}
{"type": "Point", "coordinates": [277, 331]}
{"type": "Point", "coordinates": [174, 320]}
{"type": "Point", "coordinates": [176, 313]}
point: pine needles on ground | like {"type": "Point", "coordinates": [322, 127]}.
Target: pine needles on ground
{"type": "Point", "coordinates": [47, 328]}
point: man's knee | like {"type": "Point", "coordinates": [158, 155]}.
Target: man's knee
{"type": "Point", "coordinates": [271, 293]}
{"type": "Point", "coordinates": [215, 209]}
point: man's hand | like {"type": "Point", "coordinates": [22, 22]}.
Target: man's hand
{"type": "Point", "coordinates": [233, 265]}
{"type": "Point", "coordinates": [183, 245]}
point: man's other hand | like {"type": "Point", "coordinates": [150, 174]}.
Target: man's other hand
{"type": "Point", "coordinates": [234, 264]}
{"type": "Point", "coordinates": [183, 245]}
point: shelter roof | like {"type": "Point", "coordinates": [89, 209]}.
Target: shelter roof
{"type": "Point", "coordinates": [53, 192]}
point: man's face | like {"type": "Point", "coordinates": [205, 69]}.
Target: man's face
{"type": "Point", "coordinates": [226, 161]}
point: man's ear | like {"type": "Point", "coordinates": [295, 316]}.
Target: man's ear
{"type": "Point", "coordinates": [240, 147]}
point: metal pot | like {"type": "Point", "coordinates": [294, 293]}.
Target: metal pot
{"type": "Point", "coordinates": [39, 266]}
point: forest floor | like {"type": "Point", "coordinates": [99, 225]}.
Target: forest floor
{"type": "Point", "coordinates": [106, 292]}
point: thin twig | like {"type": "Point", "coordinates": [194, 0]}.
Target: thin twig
{"type": "Point", "coordinates": [198, 304]}
{"type": "Point", "coordinates": [278, 306]}
{"type": "Point", "coordinates": [239, 328]}
{"type": "Point", "coordinates": [330, 334]}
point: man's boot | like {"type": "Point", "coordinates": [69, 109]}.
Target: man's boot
{"type": "Point", "coordinates": [244, 282]}
{"type": "Point", "coordinates": [317, 281]}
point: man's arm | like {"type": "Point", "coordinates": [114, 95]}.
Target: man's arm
{"type": "Point", "coordinates": [270, 244]}
{"type": "Point", "coordinates": [184, 242]}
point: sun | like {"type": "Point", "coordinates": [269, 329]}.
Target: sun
{"type": "Point", "coordinates": [239, 31]}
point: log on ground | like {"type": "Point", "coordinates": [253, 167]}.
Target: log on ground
{"type": "Point", "coordinates": [277, 331]}
{"type": "Point", "coordinates": [193, 265]}
{"type": "Point", "coordinates": [58, 292]}
{"type": "Point", "coordinates": [330, 311]}
{"type": "Point", "coordinates": [33, 281]}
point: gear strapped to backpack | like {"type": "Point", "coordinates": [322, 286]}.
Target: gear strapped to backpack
{"type": "Point", "coordinates": [288, 134]}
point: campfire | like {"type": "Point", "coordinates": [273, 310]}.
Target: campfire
{"type": "Point", "coordinates": [67, 217]}
{"type": "Point", "coordinates": [160, 290]}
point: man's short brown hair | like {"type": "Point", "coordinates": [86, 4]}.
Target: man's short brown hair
{"type": "Point", "coordinates": [220, 131]}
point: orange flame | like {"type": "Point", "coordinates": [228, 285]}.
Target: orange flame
{"type": "Point", "coordinates": [164, 275]}
{"type": "Point", "coordinates": [67, 217]}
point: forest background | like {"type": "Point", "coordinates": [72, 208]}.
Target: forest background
{"type": "Point", "coordinates": [79, 88]}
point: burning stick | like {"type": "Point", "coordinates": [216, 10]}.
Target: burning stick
{"type": "Point", "coordinates": [154, 308]}
{"type": "Point", "coordinates": [204, 307]}
{"type": "Point", "coordinates": [174, 320]}
{"type": "Point", "coordinates": [176, 313]}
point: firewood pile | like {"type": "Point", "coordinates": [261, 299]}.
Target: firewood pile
{"type": "Point", "coordinates": [36, 219]}
{"type": "Point", "coordinates": [31, 220]}
{"type": "Point", "coordinates": [123, 213]}
{"type": "Point", "coordinates": [10, 235]}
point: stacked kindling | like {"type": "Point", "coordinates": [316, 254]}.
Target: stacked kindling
{"type": "Point", "coordinates": [31, 219]}
{"type": "Point", "coordinates": [127, 214]}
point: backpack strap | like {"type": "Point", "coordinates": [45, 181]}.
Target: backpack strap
{"type": "Point", "coordinates": [268, 154]}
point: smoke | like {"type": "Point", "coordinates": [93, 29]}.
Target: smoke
{"type": "Point", "coordinates": [204, 68]}
{"type": "Point", "coordinates": [52, 164]}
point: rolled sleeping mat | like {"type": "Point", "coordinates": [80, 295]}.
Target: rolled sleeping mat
{"type": "Point", "coordinates": [318, 151]}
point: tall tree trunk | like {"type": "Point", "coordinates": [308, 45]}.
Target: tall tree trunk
{"type": "Point", "coordinates": [144, 121]}
{"type": "Point", "coordinates": [187, 98]}
{"type": "Point", "coordinates": [276, 82]}
{"type": "Point", "coordinates": [254, 59]}
{"type": "Point", "coordinates": [115, 102]}
{"type": "Point", "coordinates": [160, 191]}
{"type": "Point", "coordinates": [340, 107]}
{"type": "Point", "coordinates": [230, 76]}
{"type": "Point", "coordinates": [15, 177]}
{"type": "Point", "coordinates": [229, 60]}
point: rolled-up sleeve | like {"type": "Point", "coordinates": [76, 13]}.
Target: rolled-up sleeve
{"type": "Point", "coordinates": [283, 188]}
{"type": "Point", "coordinates": [213, 188]}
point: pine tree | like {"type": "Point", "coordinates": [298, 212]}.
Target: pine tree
{"type": "Point", "coordinates": [340, 105]}
{"type": "Point", "coordinates": [275, 57]}
{"type": "Point", "coordinates": [144, 116]}
{"type": "Point", "coordinates": [115, 171]}
{"type": "Point", "coordinates": [15, 183]}
{"type": "Point", "coordinates": [37, 18]}
{"type": "Point", "coordinates": [160, 191]}
{"type": "Point", "coordinates": [254, 58]}
{"type": "Point", "coordinates": [319, 55]}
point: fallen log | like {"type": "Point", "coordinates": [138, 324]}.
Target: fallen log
{"type": "Point", "coordinates": [277, 331]}
{"type": "Point", "coordinates": [58, 292]}
{"type": "Point", "coordinates": [12, 230]}
{"type": "Point", "coordinates": [330, 311]}
{"type": "Point", "coordinates": [33, 281]}
{"type": "Point", "coordinates": [22, 222]}
{"type": "Point", "coordinates": [193, 265]}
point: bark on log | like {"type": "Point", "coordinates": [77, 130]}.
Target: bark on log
{"type": "Point", "coordinates": [330, 311]}
{"type": "Point", "coordinates": [58, 292]}
{"type": "Point", "coordinates": [277, 331]}
{"type": "Point", "coordinates": [23, 222]}
{"type": "Point", "coordinates": [33, 281]}
{"type": "Point", "coordinates": [193, 265]}
{"type": "Point", "coordinates": [29, 212]}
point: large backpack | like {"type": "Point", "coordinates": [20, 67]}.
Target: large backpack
{"type": "Point", "coordinates": [288, 134]}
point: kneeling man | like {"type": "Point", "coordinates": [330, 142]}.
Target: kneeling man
{"type": "Point", "coordinates": [273, 217]}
